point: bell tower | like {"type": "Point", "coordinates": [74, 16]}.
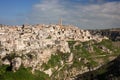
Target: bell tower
{"type": "Point", "coordinates": [60, 21]}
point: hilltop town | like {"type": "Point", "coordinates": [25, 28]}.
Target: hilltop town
{"type": "Point", "coordinates": [35, 46]}
{"type": "Point", "coordinates": [40, 36]}
{"type": "Point", "coordinates": [33, 37]}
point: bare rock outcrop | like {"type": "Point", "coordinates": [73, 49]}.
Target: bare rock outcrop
{"type": "Point", "coordinates": [16, 63]}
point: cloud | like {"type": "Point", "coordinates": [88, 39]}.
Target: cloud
{"type": "Point", "coordinates": [105, 15]}
{"type": "Point", "coordinates": [47, 11]}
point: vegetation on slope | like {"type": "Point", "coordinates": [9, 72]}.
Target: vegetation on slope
{"type": "Point", "coordinates": [109, 71]}
{"type": "Point", "coordinates": [86, 56]}
{"type": "Point", "coordinates": [21, 74]}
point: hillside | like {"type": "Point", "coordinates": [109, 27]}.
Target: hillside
{"type": "Point", "coordinates": [113, 34]}
{"type": "Point", "coordinates": [51, 52]}
{"type": "Point", "coordinates": [109, 71]}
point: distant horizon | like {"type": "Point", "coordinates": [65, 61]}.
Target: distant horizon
{"type": "Point", "coordinates": [86, 14]}
{"type": "Point", "coordinates": [63, 25]}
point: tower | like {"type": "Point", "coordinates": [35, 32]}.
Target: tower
{"type": "Point", "coordinates": [60, 22]}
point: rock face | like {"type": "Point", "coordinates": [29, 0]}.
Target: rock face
{"type": "Point", "coordinates": [33, 45]}
{"type": "Point", "coordinates": [16, 63]}
{"type": "Point", "coordinates": [110, 71]}
{"type": "Point", "coordinates": [113, 34]}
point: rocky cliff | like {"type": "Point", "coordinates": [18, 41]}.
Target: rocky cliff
{"type": "Point", "coordinates": [60, 52]}
{"type": "Point", "coordinates": [109, 71]}
{"type": "Point", "coordinates": [113, 34]}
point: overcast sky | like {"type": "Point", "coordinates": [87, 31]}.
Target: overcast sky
{"type": "Point", "coordinates": [86, 14]}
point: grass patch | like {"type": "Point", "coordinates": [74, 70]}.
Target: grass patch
{"type": "Point", "coordinates": [21, 74]}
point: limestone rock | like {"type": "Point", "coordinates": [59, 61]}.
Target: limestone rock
{"type": "Point", "coordinates": [16, 63]}
{"type": "Point", "coordinates": [6, 62]}
{"type": "Point", "coordinates": [70, 58]}
{"type": "Point", "coordinates": [49, 72]}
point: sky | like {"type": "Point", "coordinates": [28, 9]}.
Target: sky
{"type": "Point", "coordinates": [86, 14]}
